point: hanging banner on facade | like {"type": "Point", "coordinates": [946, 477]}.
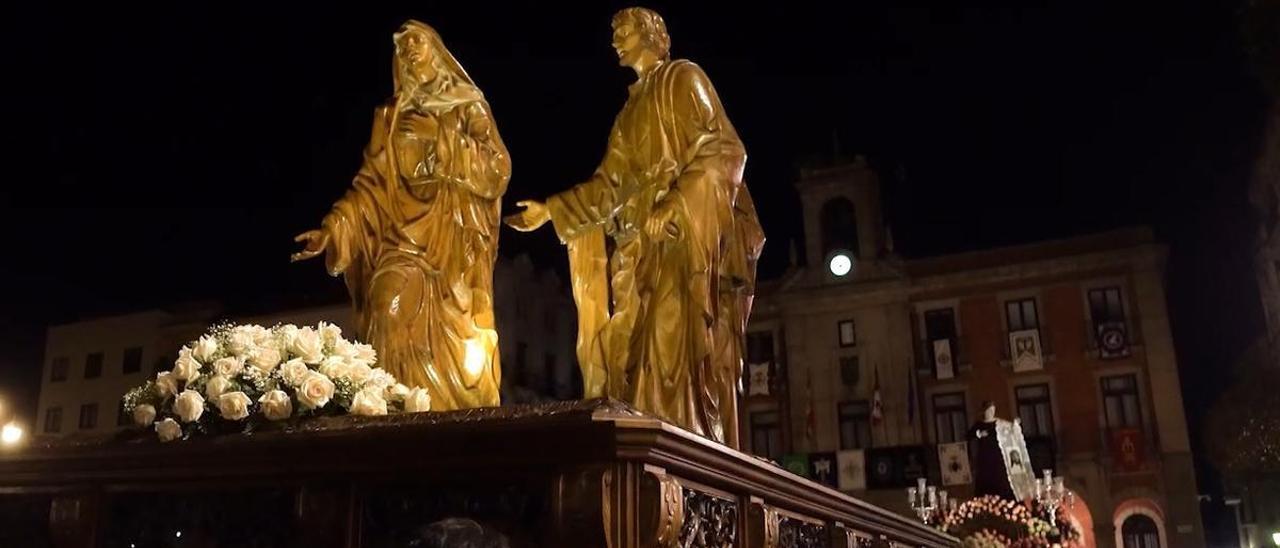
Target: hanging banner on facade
{"type": "Point", "coordinates": [758, 379]}
{"type": "Point", "coordinates": [1024, 347]}
{"type": "Point", "coordinates": [954, 461]}
{"type": "Point", "coordinates": [852, 468]}
{"type": "Point", "coordinates": [943, 361]}
{"type": "Point", "coordinates": [1113, 340]}
{"type": "Point", "coordinates": [1126, 449]}
{"type": "Point", "coordinates": [797, 463]}
{"type": "Point", "coordinates": [895, 467]}
{"type": "Point", "coordinates": [822, 468]}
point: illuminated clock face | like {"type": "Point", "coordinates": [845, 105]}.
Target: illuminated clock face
{"type": "Point", "coordinates": [840, 264]}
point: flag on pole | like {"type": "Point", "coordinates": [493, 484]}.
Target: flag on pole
{"type": "Point", "coordinates": [877, 406]}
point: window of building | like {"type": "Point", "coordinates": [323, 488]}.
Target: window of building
{"type": "Point", "coordinates": [53, 420]}
{"type": "Point", "coordinates": [1105, 305]}
{"type": "Point", "coordinates": [839, 226]}
{"type": "Point", "coordinates": [850, 372]}
{"type": "Point", "coordinates": [848, 336]}
{"type": "Point", "coordinates": [132, 360]}
{"type": "Point", "coordinates": [940, 324]}
{"type": "Point", "coordinates": [58, 369]}
{"type": "Point", "coordinates": [1035, 410]}
{"type": "Point", "coordinates": [766, 434]}
{"type": "Point", "coordinates": [760, 347]}
{"type": "Point", "coordinates": [88, 416]}
{"type": "Point", "coordinates": [1021, 314]}
{"type": "Point", "coordinates": [1139, 531]}
{"type": "Point", "coordinates": [1120, 401]}
{"type": "Point", "coordinates": [950, 420]}
{"type": "Point", "coordinates": [93, 365]}
{"type": "Point", "coordinates": [855, 425]}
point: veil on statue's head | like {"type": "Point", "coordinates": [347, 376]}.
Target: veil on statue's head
{"type": "Point", "coordinates": [452, 84]}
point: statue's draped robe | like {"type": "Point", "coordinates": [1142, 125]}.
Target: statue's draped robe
{"type": "Point", "coordinates": [416, 238]}
{"type": "Point", "coordinates": [661, 315]}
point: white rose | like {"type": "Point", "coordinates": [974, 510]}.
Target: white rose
{"type": "Point", "coordinates": [229, 366]}
{"type": "Point", "coordinates": [261, 335]}
{"type": "Point", "coordinates": [189, 406]}
{"type": "Point", "coordinates": [240, 342]}
{"type": "Point", "coordinates": [366, 353]}
{"type": "Point", "coordinates": [308, 346]}
{"type": "Point", "coordinates": [286, 334]}
{"type": "Point", "coordinates": [344, 348]}
{"type": "Point", "coordinates": [335, 367]}
{"type": "Point", "coordinates": [266, 358]}
{"type": "Point", "coordinates": [234, 405]}
{"type": "Point", "coordinates": [360, 372]}
{"type": "Point", "coordinates": [166, 384]}
{"type": "Point", "coordinates": [417, 401]}
{"type": "Point", "coordinates": [398, 392]}
{"type": "Point", "coordinates": [206, 348]}
{"type": "Point", "coordinates": [276, 405]}
{"type": "Point", "coordinates": [315, 391]}
{"type": "Point", "coordinates": [369, 402]}
{"type": "Point", "coordinates": [330, 334]}
{"type": "Point", "coordinates": [293, 372]}
{"type": "Point", "coordinates": [381, 379]}
{"type": "Point", "coordinates": [217, 386]}
{"type": "Point", "coordinates": [144, 414]}
{"type": "Point", "coordinates": [186, 368]}
{"type": "Point", "coordinates": [168, 430]}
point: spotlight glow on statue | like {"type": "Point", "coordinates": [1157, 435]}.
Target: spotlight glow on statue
{"type": "Point", "coordinates": [474, 360]}
{"type": "Point", "coordinates": [840, 264]}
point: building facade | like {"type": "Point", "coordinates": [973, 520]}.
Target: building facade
{"type": "Point", "coordinates": [868, 367]}
{"type": "Point", "coordinates": [89, 365]}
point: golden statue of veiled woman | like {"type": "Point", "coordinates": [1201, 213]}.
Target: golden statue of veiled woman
{"type": "Point", "coordinates": [662, 311]}
{"type": "Point", "coordinates": [417, 234]}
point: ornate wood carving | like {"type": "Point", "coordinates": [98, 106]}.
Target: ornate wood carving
{"type": "Point", "coordinates": [709, 521]}
{"type": "Point", "coordinates": [762, 525]}
{"type": "Point", "coordinates": [798, 533]}
{"type": "Point", "coordinates": [663, 513]}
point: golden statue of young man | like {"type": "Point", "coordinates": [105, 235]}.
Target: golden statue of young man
{"type": "Point", "coordinates": [663, 307]}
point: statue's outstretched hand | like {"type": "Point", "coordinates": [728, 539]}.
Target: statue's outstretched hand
{"type": "Point", "coordinates": [316, 242]}
{"type": "Point", "coordinates": [535, 214]}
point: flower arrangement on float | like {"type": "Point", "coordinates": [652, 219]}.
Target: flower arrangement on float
{"type": "Point", "coordinates": [240, 375]}
{"type": "Point", "coordinates": [997, 522]}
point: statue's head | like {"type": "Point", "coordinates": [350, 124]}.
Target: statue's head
{"type": "Point", "coordinates": [640, 37]}
{"type": "Point", "coordinates": [415, 51]}
{"type": "Point", "coordinates": [421, 58]}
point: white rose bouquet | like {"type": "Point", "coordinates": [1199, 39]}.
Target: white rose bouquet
{"type": "Point", "coordinates": [236, 375]}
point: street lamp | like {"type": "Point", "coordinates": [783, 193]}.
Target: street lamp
{"type": "Point", "coordinates": [11, 435]}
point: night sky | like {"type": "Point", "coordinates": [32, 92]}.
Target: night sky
{"type": "Point", "coordinates": [169, 153]}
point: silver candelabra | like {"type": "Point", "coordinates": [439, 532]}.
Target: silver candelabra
{"type": "Point", "coordinates": [1053, 494]}
{"type": "Point", "coordinates": [926, 499]}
